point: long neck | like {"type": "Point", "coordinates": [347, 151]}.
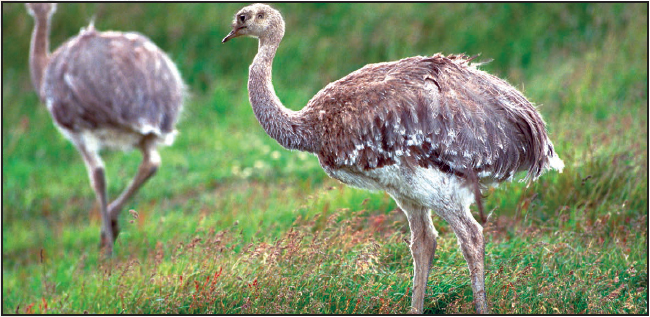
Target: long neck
{"type": "Point", "coordinates": [282, 124]}
{"type": "Point", "coordinates": [39, 51]}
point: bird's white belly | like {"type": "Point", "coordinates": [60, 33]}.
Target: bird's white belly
{"type": "Point", "coordinates": [427, 187]}
{"type": "Point", "coordinates": [97, 139]}
{"type": "Point", "coordinates": [111, 138]}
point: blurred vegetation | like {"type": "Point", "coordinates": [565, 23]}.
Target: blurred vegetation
{"type": "Point", "coordinates": [230, 205]}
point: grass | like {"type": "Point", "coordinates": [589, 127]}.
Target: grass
{"type": "Point", "coordinates": [233, 223]}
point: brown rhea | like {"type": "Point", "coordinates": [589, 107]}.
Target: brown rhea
{"type": "Point", "coordinates": [430, 131]}
{"type": "Point", "coordinates": [107, 90]}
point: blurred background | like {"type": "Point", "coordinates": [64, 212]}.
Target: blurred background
{"type": "Point", "coordinates": [583, 65]}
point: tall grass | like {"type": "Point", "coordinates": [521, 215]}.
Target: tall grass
{"type": "Point", "coordinates": [233, 223]}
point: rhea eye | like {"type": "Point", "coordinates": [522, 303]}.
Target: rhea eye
{"type": "Point", "coordinates": [242, 18]}
{"type": "Point", "coordinates": [260, 16]}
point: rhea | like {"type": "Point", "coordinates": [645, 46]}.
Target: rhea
{"type": "Point", "coordinates": [107, 90]}
{"type": "Point", "coordinates": [427, 130]}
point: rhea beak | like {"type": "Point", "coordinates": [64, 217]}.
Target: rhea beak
{"type": "Point", "coordinates": [233, 34]}
{"type": "Point", "coordinates": [229, 36]}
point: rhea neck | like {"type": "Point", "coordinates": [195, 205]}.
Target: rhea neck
{"type": "Point", "coordinates": [39, 51]}
{"type": "Point", "coordinates": [284, 125]}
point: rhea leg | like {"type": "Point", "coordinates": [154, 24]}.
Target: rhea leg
{"type": "Point", "coordinates": [97, 176]}
{"type": "Point", "coordinates": [423, 247]}
{"type": "Point", "coordinates": [148, 167]}
{"type": "Point", "coordinates": [470, 238]}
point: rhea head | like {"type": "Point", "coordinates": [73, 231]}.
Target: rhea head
{"type": "Point", "coordinates": [41, 9]}
{"type": "Point", "coordinates": [259, 21]}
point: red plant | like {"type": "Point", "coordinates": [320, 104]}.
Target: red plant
{"type": "Point", "coordinates": [28, 309]}
{"type": "Point", "coordinates": [43, 305]}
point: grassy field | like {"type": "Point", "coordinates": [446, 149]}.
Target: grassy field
{"type": "Point", "coordinates": [233, 223]}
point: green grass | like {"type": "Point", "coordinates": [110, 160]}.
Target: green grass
{"type": "Point", "coordinates": [233, 223]}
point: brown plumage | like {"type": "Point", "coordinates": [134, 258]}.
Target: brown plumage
{"type": "Point", "coordinates": [144, 93]}
{"type": "Point", "coordinates": [438, 111]}
{"type": "Point", "coordinates": [427, 130]}
{"type": "Point", "coordinates": [107, 90]}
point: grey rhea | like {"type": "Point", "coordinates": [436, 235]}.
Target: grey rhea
{"type": "Point", "coordinates": [107, 90]}
{"type": "Point", "coordinates": [424, 129]}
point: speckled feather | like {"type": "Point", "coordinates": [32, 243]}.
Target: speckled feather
{"type": "Point", "coordinates": [146, 89]}
{"type": "Point", "coordinates": [433, 111]}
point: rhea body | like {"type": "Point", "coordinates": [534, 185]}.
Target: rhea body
{"type": "Point", "coordinates": [426, 130]}
{"type": "Point", "coordinates": [107, 90]}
